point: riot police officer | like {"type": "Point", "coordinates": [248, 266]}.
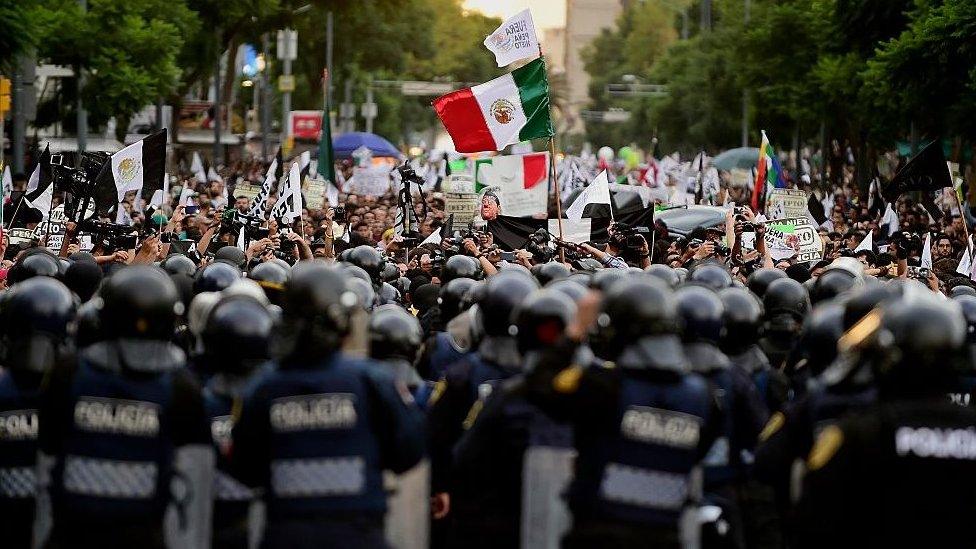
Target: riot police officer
{"type": "Point", "coordinates": [123, 433]}
{"type": "Point", "coordinates": [902, 472]}
{"type": "Point", "coordinates": [785, 305]}
{"type": "Point", "coordinates": [469, 381]}
{"type": "Point", "coordinates": [236, 339]}
{"type": "Point", "coordinates": [394, 340]}
{"type": "Point", "coordinates": [34, 320]}
{"type": "Point", "coordinates": [641, 428]}
{"type": "Point", "coordinates": [511, 440]}
{"type": "Point", "coordinates": [317, 432]}
{"type": "Point", "coordinates": [443, 348]}
{"type": "Point", "coordinates": [743, 414]}
{"type": "Point", "coordinates": [964, 392]}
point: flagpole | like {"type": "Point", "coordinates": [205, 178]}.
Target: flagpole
{"type": "Point", "coordinates": [552, 178]}
{"type": "Point", "coordinates": [17, 209]}
{"type": "Point", "coordinates": [965, 225]}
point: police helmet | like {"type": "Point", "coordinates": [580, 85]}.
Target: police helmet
{"type": "Point", "coordinates": [682, 273]}
{"type": "Point", "coordinates": [474, 294]}
{"type": "Point", "coordinates": [831, 284]}
{"type": "Point", "coordinates": [637, 309]}
{"type": "Point", "coordinates": [88, 327]}
{"type": "Point", "coordinates": [36, 262]}
{"type": "Point", "coordinates": [317, 306]}
{"type": "Point", "coordinates": [762, 278]}
{"type": "Point", "coordinates": [742, 315]}
{"type": "Point", "coordinates": [542, 318]}
{"type": "Point", "coordinates": [35, 318]}
{"type": "Point", "coordinates": [394, 334]}
{"type": "Point", "coordinates": [451, 296]}
{"type": "Point", "coordinates": [237, 335]}
{"type": "Point", "coordinates": [864, 301]}
{"type": "Point", "coordinates": [967, 303]}
{"type": "Point", "coordinates": [460, 266]}
{"type": "Point", "coordinates": [139, 302]}
{"type": "Point", "coordinates": [711, 276]}
{"type": "Point", "coordinates": [962, 289]}
{"type": "Point", "coordinates": [570, 288]}
{"type": "Point", "coordinates": [786, 296]}
{"type": "Point", "coordinates": [368, 259]}
{"type": "Point", "coordinates": [272, 278]}
{"type": "Point", "coordinates": [664, 273]}
{"type": "Point", "coordinates": [700, 314]}
{"type": "Point", "coordinates": [232, 255]}
{"type": "Point", "coordinates": [178, 263]}
{"type": "Point", "coordinates": [503, 293]}
{"type": "Point", "coordinates": [357, 272]}
{"type": "Point", "coordinates": [604, 279]}
{"type": "Point", "coordinates": [389, 293]}
{"type": "Point", "coordinates": [364, 292]}
{"type": "Point", "coordinates": [818, 339]}
{"type": "Point", "coordinates": [547, 272]}
{"type": "Point", "coordinates": [390, 272]}
{"type": "Point", "coordinates": [215, 277]}
{"type": "Point", "coordinates": [83, 278]}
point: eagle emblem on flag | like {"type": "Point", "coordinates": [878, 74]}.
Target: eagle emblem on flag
{"type": "Point", "coordinates": [128, 169]}
{"type": "Point", "coordinates": [503, 111]}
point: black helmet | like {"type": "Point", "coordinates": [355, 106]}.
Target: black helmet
{"type": "Point", "coordinates": [389, 293]}
{"type": "Point", "coordinates": [968, 305]}
{"type": "Point", "coordinates": [474, 294]}
{"type": "Point", "coordinates": [178, 263]}
{"type": "Point", "coordinates": [700, 312]}
{"type": "Point", "coordinates": [357, 272]}
{"type": "Point", "coordinates": [863, 302]}
{"type": "Point", "coordinates": [664, 273]}
{"type": "Point", "coordinates": [343, 256]}
{"type": "Point", "coordinates": [682, 273]}
{"type": "Point", "coordinates": [570, 288]}
{"type": "Point", "coordinates": [139, 302]}
{"type": "Point", "coordinates": [962, 289]}
{"type": "Point", "coordinates": [394, 334]}
{"type": "Point", "coordinates": [368, 259]}
{"type": "Point", "coordinates": [831, 284]}
{"type": "Point", "coordinates": [215, 277]}
{"type": "Point", "coordinates": [742, 315]}
{"type": "Point", "coordinates": [818, 340]}
{"type": "Point", "coordinates": [236, 335]}
{"type": "Point", "coordinates": [451, 296]}
{"type": "Point", "coordinates": [919, 344]}
{"type": "Point", "coordinates": [364, 292]}
{"type": "Point", "coordinates": [604, 279]}
{"type": "Point", "coordinates": [34, 318]}
{"type": "Point", "coordinates": [36, 262]}
{"type": "Point", "coordinates": [460, 266]}
{"type": "Point", "coordinates": [786, 296]}
{"type": "Point", "coordinates": [711, 276]}
{"type": "Point", "coordinates": [542, 318]}
{"type": "Point", "coordinates": [232, 255]}
{"type": "Point", "coordinates": [762, 278]}
{"type": "Point", "coordinates": [547, 272]}
{"type": "Point", "coordinates": [390, 272]}
{"type": "Point", "coordinates": [504, 292]}
{"type": "Point", "coordinates": [640, 308]}
{"type": "Point", "coordinates": [272, 278]}
{"type": "Point", "coordinates": [88, 327]}
{"type": "Point", "coordinates": [317, 307]}
{"type": "Point", "coordinates": [83, 278]}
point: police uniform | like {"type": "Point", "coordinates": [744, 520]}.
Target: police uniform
{"type": "Point", "coordinates": [18, 454]}
{"type": "Point", "coordinates": [316, 437]}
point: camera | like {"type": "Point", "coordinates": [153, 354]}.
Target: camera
{"type": "Point", "coordinates": [919, 273]}
{"type": "Point", "coordinates": [109, 235]}
{"type": "Point", "coordinates": [722, 249]}
{"type": "Point", "coordinates": [339, 214]}
{"type": "Point", "coordinates": [748, 227]}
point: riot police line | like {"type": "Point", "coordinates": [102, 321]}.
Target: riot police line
{"type": "Point", "coordinates": [307, 406]}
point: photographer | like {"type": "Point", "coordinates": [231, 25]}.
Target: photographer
{"type": "Point", "coordinates": [746, 258]}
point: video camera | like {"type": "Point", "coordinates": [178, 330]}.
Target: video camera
{"type": "Point", "coordinates": [233, 221]}
{"type": "Point", "coordinates": [110, 236]}
{"type": "Point", "coordinates": [627, 237]}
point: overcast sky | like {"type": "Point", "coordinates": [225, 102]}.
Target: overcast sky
{"type": "Point", "coordinates": [545, 13]}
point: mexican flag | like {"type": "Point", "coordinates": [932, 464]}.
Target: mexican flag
{"type": "Point", "coordinates": [493, 115]}
{"type": "Point", "coordinates": [521, 182]}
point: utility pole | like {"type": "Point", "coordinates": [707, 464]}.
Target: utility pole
{"type": "Point", "coordinates": [82, 113]}
{"type": "Point", "coordinates": [287, 52]}
{"type": "Point", "coordinates": [216, 118]}
{"type": "Point", "coordinates": [328, 58]}
{"type": "Point", "coordinates": [348, 109]}
{"type": "Point", "coordinates": [706, 15]}
{"type": "Point", "coordinates": [745, 96]}
{"type": "Point", "coordinates": [266, 97]}
{"type": "Point", "coordinates": [20, 125]}
{"type": "Point", "coordinates": [369, 108]}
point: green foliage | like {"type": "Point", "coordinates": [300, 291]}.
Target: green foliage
{"type": "Point", "coordinates": [17, 34]}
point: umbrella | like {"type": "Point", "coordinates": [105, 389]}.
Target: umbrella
{"type": "Point", "coordinates": [743, 158]}
{"type": "Point", "coordinates": [346, 143]}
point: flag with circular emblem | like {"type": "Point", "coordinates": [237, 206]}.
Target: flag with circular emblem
{"type": "Point", "coordinates": [500, 112]}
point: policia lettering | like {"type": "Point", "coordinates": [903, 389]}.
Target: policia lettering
{"type": "Point", "coordinates": [125, 417]}
{"type": "Point", "coordinates": [309, 412]}
{"type": "Point", "coordinates": [18, 425]}
{"type": "Point", "coordinates": [652, 425]}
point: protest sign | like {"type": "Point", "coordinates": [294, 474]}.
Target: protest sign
{"type": "Point", "coordinates": [793, 237]}
{"type": "Point", "coordinates": [314, 191]}
{"type": "Point", "coordinates": [463, 206]}
{"type": "Point", "coordinates": [53, 227]}
{"type": "Point", "coordinates": [246, 190]}
{"type": "Point", "coordinates": [783, 203]}
{"type": "Point", "coordinates": [519, 181]}
{"type": "Point", "coordinates": [371, 180]}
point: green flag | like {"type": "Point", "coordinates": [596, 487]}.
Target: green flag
{"type": "Point", "coordinates": [326, 166]}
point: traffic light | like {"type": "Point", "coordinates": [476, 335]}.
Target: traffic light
{"type": "Point", "coordinates": [4, 95]}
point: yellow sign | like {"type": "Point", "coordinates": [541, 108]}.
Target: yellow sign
{"type": "Point", "coordinates": [288, 145]}
{"type": "Point", "coordinates": [4, 95]}
{"type": "Point", "coordinates": [286, 83]}
{"type": "Point", "coordinates": [4, 86]}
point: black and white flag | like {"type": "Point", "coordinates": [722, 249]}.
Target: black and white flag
{"type": "Point", "coordinates": [139, 167]}
{"type": "Point", "coordinates": [271, 178]}
{"type": "Point", "coordinates": [40, 187]}
{"type": "Point", "coordinates": [289, 205]}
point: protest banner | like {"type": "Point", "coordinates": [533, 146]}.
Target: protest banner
{"type": "Point", "coordinates": [519, 181]}
{"type": "Point", "coordinates": [246, 190]}
{"type": "Point", "coordinates": [314, 191]}
{"type": "Point", "coordinates": [793, 237]}
{"type": "Point", "coordinates": [463, 206]}
{"type": "Point", "coordinates": [370, 180]}
{"type": "Point", "coordinates": [782, 203]}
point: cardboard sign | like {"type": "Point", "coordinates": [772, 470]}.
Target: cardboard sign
{"type": "Point", "coordinates": [793, 237]}
{"type": "Point", "coordinates": [371, 180]}
{"type": "Point", "coordinates": [247, 190]}
{"type": "Point", "coordinates": [54, 227]}
{"type": "Point", "coordinates": [783, 203]}
{"type": "Point", "coordinates": [314, 191]}
{"type": "Point", "coordinates": [463, 206]}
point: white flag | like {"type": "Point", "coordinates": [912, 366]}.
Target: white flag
{"type": "Point", "coordinates": [8, 183]}
{"type": "Point", "coordinates": [241, 239]}
{"type": "Point", "coordinates": [43, 201]}
{"type": "Point", "coordinates": [212, 175]}
{"type": "Point", "coordinates": [128, 169]}
{"type": "Point", "coordinates": [514, 40]}
{"type": "Point", "coordinates": [185, 195]}
{"type": "Point", "coordinates": [434, 238]}
{"type": "Point", "coordinates": [196, 166]}
{"type": "Point", "coordinates": [597, 193]}
{"type": "Point", "coordinates": [866, 244]}
{"type": "Point", "coordinates": [890, 219]}
{"type": "Point", "coordinates": [966, 262]}
{"type": "Point", "coordinates": [927, 252]}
